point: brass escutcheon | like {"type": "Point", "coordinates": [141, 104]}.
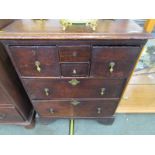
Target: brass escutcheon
{"type": "Point", "coordinates": [75, 102]}
{"type": "Point", "coordinates": [74, 82]}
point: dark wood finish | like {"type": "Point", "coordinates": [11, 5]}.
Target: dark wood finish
{"type": "Point", "coordinates": [88, 108]}
{"type": "Point", "coordinates": [61, 88]}
{"type": "Point", "coordinates": [3, 98]}
{"type": "Point", "coordinates": [124, 58]}
{"type": "Point", "coordinates": [75, 53]}
{"type": "Point", "coordinates": [90, 52]}
{"type": "Point", "coordinates": [10, 114]}
{"type": "Point", "coordinates": [52, 29]}
{"type": "Point", "coordinates": [14, 103]}
{"type": "Point", "coordinates": [46, 55]}
{"type": "Point", "coordinates": [75, 69]}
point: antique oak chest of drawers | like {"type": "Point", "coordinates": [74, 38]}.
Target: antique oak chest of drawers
{"type": "Point", "coordinates": [76, 73]}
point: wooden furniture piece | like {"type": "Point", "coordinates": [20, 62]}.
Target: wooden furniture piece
{"type": "Point", "coordinates": [15, 107]}
{"type": "Point", "coordinates": [76, 73]}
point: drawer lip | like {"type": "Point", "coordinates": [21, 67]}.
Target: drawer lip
{"type": "Point", "coordinates": [78, 99]}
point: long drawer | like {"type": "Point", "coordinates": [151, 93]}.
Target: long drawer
{"type": "Point", "coordinates": [48, 89]}
{"type": "Point", "coordinates": [76, 108]}
{"type": "Point", "coordinates": [9, 114]}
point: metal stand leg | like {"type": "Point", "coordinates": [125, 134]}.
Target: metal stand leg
{"type": "Point", "coordinates": [71, 127]}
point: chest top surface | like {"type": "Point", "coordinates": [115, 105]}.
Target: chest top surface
{"type": "Point", "coordinates": [52, 29]}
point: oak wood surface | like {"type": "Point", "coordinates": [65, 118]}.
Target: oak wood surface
{"type": "Point", "coordinates": [76, 53]}
{"type": "Point", "coordinates": [10, 114]}
{"type": "Point", "coordinates": [26, 57]}
{"type": "Point", "coordinates": [75, 69]}
{"type": "Point", "coordinates": [61, 88]}
{"type": "Point", "coordinates": [124, 58]}
{"type": "Point", "coordinates": [52, 29]}
{"type": "Point", "coordinates": [15, 107]}
{"type": "Point", "coordinates": [86, 108]}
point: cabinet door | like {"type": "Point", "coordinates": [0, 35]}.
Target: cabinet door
{"type": "Point", "coordinates": [36, 60]}
{"type": "Point", "coordinates": [113, 61]}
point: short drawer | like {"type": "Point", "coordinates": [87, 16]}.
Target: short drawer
{"type": "Point", "coordinates": [40, 89]}
{"type": "Point", "coordinates": [76, 108]}
{"type": "Point", "coordinates": [36, 60]}
{"type": "Point", "coordinates": [9, 114]}
{"type": "Point", "coordinates": [75, 69]}
{"type": "Point", "coordinates": [113, 62]}
{"type": "Point", "coordinates": [75, 53]}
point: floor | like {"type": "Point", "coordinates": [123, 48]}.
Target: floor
{"type": "Point", "coordinates": [125, 124]}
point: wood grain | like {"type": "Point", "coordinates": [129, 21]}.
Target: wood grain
{"type": "Point", "coordinates": [138, 99]}
{"type": "Point", "coordinates": [52, 29]}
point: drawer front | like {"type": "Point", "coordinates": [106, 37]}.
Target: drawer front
{"type": "Point", "coordinates": [36, 60]}
{"type": "Point", "coordinates": [9, 114]}
{"type": "Point", "coordinates": [113, 62]}
{"type": "Point", "coordinates": [76, 108]}
{"type": "Point", "coordinates": [75, 53]}
{"type": "Point", "coordinates": [40, 89]}
{"type": "Point", "coordinates": [75, 69]}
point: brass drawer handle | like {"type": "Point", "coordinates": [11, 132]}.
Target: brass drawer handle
{"type": "Point", "coordinates": [37, 64]}
{"type": "Point", "coordinates": [111, 65]}
{"type": "Point", "coordinates": [99, 110]}
{"type": "Point", "coordinates": [74, 71]}
{"type": "Point", "coordinates": [74, 82]}
{"type": "Point", "coordinates": [75, 102]}
{"type": "Point", "coordinates": [2, 116]}
{"type": "Point", "coordinates": [102, 91]}
{"type": "Point", "coordinates": [46, 90]}
{"type": "Point", "coordinates": [51, 110]}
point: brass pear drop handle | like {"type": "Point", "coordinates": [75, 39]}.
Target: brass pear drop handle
{"type": "Point", "coordinates": [102, 91]}
{"type": "Point", "coordinates": [51, 110]}
{"type": "Point", "coordinates": [98, 110]}
{"type": "Point", "coordinates": [111, 65]}
{"type": "Point", "coordinates": [46, 90]}
{"type": "Point", "coordinates": [75, 102]}
{"type": "Point", "coordinates": [37, 64]}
